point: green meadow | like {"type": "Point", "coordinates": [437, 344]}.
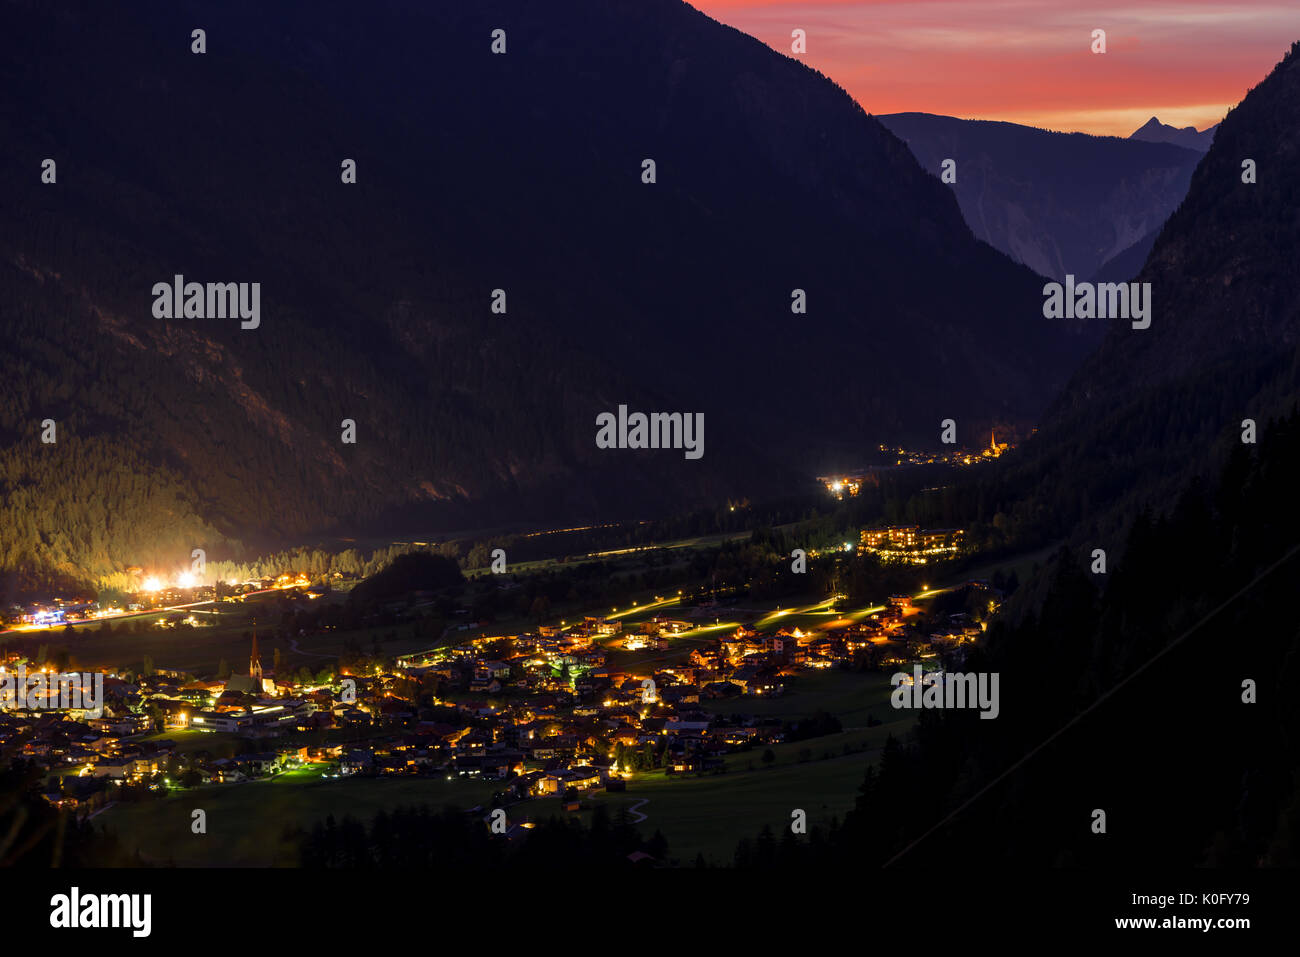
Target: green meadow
{"type": "Point", "coordinates": [252, 824]}
{"type": "Point", "coordinates": [709, 814]}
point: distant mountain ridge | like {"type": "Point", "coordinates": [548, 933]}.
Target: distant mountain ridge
{"type": "Point", "coordinates": [1153, 131]}
{"type": "Point", "coordinates": [1061, 203]}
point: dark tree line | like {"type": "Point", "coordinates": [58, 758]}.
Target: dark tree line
{"type": "Point", "coordinates": [423, 838]}
{"type": "Point", "coordinates": [1187, 773]}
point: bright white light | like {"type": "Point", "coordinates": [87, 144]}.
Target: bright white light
{"type": "Point", "coordinates": [152, 584]}
{"type": "Point", "coordinates": [186, 580]}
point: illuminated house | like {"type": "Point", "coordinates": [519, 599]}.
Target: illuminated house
{"type": "Point", "coordinates": [902, 604]}
{"type": "Point", "coordinates": [941, 541]}
{"type": "Point", "coordinates": [582, 778]}
{"type": "Point", "coordinates": [892, 536]}
{"type": "Point", "coordinates": [665, 626]}
{"type": "Point", "coordinates": [907, 543]}
{"type": "Point", "coordinates": [262, 718]}
{"type": "Point", "coordinates": [603, 628]}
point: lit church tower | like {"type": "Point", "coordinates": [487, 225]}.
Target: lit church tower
{"type": "Point", "coordinates": [255, 663]}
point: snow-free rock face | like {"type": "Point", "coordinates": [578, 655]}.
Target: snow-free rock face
{"type": "Point", "coordinates": [1061, 203]}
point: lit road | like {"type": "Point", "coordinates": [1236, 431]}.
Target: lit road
{"type": "Point", "coordinates": [192, 606]}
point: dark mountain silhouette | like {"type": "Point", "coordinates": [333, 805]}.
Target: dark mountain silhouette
{"type": "Point", "coordinates": [475, 172]}
{"type": "Point", "coordinates": [1153, 407]}
{"type": "Point", "coordinates": [1058, 202]}
{"type": "Point", "coordinates": [1153, 131]}
{"type": "Point", "coordinates": [1224, 286]}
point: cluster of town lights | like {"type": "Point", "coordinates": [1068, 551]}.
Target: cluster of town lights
{"type": "Point", "coordinates": [183, 580]}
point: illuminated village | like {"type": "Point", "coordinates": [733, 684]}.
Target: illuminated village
{"type": "Point", "coordinates": [178, 595]}
{"type": "Point", "coordinates": [543, 713]}
{"type": "Point", "coordinates": [904, 456]}
{"type": "Point", "coordinates": [849, 484]}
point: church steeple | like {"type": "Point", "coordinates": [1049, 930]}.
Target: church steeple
{"type": "Point", "coordinates": [254, 662]}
